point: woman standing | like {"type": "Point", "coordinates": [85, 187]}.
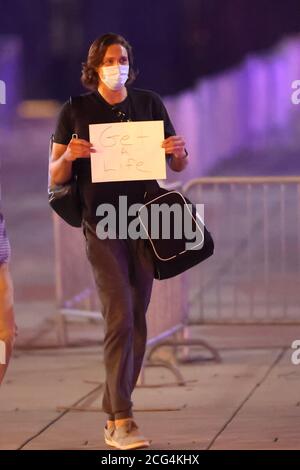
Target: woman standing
{"type": "Point", "coordinates": [122, 268]}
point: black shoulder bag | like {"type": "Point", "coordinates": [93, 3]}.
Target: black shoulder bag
{"type": "Point", "coordinates": [64, 199]}
{"type": "Point", "coordinates": [188, 242]}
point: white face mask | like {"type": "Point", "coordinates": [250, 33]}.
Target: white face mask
{"type": "Point", "coordinates": [115, 76]}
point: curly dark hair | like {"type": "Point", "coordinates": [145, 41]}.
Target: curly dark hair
{"type": "Point", "coordinates": [97, 51]}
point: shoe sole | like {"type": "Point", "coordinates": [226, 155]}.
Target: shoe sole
{"type": "Point", "coordinates": [136, 445]}
{"type": "Point", "coordinates": [109, 442]}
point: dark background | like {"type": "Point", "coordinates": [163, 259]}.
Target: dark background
{"type": "Point", "coordinates": [175, 41]}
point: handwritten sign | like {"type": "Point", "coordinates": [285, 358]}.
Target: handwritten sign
{"type": "Point", "coordinates": [127, 151]}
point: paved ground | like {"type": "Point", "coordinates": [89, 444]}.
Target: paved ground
{"type": "Point", "coordinates": [250, 400]}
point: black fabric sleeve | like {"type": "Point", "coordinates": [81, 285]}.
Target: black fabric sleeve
{"type": "Point", "coordinates": [64, 125]}
{"type": "Point", "coordinates": [161, 112]}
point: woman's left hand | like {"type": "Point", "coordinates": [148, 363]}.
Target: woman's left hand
{"type": "Point", "coordinates": [174, 145]}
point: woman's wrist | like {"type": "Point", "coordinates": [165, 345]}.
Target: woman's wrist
{"type": "Point", "coordinates": [67, 157]}
{"type": "Point", "coordinates": [182, 156]}
{"type": "Point", "coordinates": [178, 163]}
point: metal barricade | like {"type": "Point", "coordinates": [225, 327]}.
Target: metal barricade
{"type": "Point", "coordinates": [253, 276]}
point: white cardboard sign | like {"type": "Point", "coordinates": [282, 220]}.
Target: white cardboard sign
{"type": "Point", "coordinates": [127, 151]}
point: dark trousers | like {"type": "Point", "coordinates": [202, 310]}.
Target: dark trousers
{"type": "Point", "coordinates": [123, 273]}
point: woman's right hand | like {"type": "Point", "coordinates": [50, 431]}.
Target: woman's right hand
{"type": "Point", "coordinates": [78, 148]}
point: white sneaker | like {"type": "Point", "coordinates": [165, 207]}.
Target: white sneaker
{"type": "Point", "coordinates": [108, 432]}
{"type": "Point", "coordinates": [128, 436]}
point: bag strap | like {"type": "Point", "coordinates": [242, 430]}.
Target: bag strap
{"type": "Point", "coordinates": [51, 140]}
{"type": "Point", "coordinates": [74, 104]}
